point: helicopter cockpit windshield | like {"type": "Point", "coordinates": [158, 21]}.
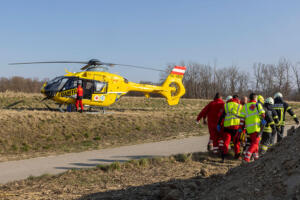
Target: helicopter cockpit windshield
{"type": "Point", "coordinates": [56, 84]}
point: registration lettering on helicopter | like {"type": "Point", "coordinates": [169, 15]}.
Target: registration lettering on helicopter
{"type": "Point", "coordinates": [68, 93]}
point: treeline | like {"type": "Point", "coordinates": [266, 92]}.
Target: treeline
{"type": "Point", "coordinates": [204, 80]}
{"type": "Point", "coordinates": [20, 84]}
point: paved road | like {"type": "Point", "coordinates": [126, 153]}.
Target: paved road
{"type": "Point", "coordinates": [17, 170]}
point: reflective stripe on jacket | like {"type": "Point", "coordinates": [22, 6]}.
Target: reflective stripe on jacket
{"type": "Point", "coordinates": [251, 112]}
{"type": "Point", "coordinates": [232, 111]}
{"type": "Point", "coordinates": [268, 128]}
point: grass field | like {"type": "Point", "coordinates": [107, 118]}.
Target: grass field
{"type": "Point", "coordinates": [28, 129]}
{"type": "Point", "coordinates": [129, 180]}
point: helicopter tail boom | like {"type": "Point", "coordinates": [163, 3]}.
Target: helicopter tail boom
{"type": "Point", "coordinates": [173, 88]}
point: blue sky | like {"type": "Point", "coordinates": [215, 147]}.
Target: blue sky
{"type": "Point", "coordinates": [150, 33]}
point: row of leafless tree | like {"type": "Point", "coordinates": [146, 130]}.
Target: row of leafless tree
{"type": "Point", "coordinates": [203, 81]}
{"type": "Point", "coordinates": [20, 84]}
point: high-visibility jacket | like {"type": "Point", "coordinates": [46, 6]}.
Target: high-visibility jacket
{"type": "Point", "coordinates": [252, 112]}
{"type": "Point", "coordinates": [232, 110]}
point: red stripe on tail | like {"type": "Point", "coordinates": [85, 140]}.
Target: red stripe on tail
{"type": "Point", "coordinates": [179, 70]}
{"type": "Point", "coordinates": [180, 67]}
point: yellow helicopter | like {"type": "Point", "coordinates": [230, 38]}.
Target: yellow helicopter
{"type": "Point", "coordinates": [101, 88]}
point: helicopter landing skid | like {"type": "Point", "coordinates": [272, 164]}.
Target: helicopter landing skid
{"type": "Point", "coordinates": [60, 108]}
{"type": "Point", "coordinates": [102, 110]}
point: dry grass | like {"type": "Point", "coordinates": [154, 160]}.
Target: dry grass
{"type": "Point", "coordinates": [27, 129]}
{"type": "Point", "coordinates": [77, 183]}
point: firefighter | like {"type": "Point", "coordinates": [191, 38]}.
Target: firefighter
{"type": "Point", "coordinates": [281, 108]}
{"type": "Point", "coordinates": [212, 112]}
{"type": "Point", "coordinates": [231, 125]}
{"type": "Point", "coordinates": [228, 98]}
{"type": "Point", "coordinates": [79, 97]}
{"type": "Point", "coordinates": [270, 129]}
{"type": "Point", "coordinates": [254, 115]}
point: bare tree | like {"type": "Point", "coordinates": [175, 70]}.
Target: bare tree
{"type": "Point", "coordinates": [20, 84]}
{"type": "Point", "coordinates": [296, 71]}
{"type": "Point", "coordinates": [203, 81]}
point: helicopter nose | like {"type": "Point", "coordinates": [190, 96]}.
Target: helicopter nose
{"type": "Point", "coordinates": [48, 93]}
{"type": "Point", "coordinates": [43, 90]}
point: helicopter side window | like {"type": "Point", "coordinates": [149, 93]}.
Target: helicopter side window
{"type": "Point", "coordinates": [88, 85]}
{"type": "Point", "coordinates": [100, 87]}
{"type": "Point", "coordinates": [60, 84]}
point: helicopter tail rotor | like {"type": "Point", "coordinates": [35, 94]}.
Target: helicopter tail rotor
{"type": "Point", "coordinates": [173, 88]}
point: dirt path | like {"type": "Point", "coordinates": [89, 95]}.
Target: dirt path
{"type": "Point", "coordinates": [17, 170]}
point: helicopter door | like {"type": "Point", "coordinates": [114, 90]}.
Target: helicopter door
{"type": "Point", "coordinates": [100, 91]}
{"type": "Point", "coordinates": [88, 88]}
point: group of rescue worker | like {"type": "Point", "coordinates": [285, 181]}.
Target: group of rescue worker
{"type": "Point", "coordinates": [252, 124]}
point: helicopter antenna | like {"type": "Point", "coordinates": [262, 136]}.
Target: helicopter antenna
{"type": "Point", "coordinates": [93, 63]}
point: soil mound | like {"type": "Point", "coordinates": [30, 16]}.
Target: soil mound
{"type": "Point", "coordinates": [276, 175]}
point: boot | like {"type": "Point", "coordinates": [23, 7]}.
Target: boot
{"type": "Point", "coordinates": [263, 152]}
{"type": "Point", "coordinates": [255, 156]}
{"type": "Point", "coordinates": [244, 162]}
{"type": "Point", "coordinates": [209, 147]}
{"type": "Point", "coordinates": [223, 156]}
{"type": "Point", "coordinates": [238, 156]}
{"type": "Point", "coordinates": [215, 151]}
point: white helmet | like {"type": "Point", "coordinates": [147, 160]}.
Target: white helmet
{"type": "Point", "coordinates": [269, 100]}
{"type": "Point", "coordinates": [277, 94]}
{"type": "Point", "coordinates": [228, 98]}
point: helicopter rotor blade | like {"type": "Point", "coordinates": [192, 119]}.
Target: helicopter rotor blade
{"type": "Point", "coordinates": [92, 62]}
{"type": "Point", "coordinates": [108, 64]}
{"type": "Point", "coordinates": [44, 62]}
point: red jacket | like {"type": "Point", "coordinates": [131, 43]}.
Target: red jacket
{"type": "Point", "coordinates": [79, 91]}
{"type": "Point", "coordinates": [212, 111]}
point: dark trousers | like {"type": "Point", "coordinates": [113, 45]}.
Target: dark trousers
{"type": "Point", "coordinates": [266, 142]}
{"type": "Point", "coordinates": [280, 133]}
{"type": "Point", "coordinates": [266, 139]}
